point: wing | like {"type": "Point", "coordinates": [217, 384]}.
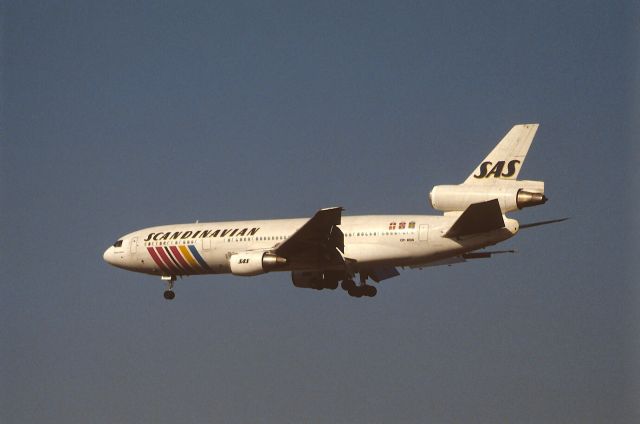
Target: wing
{"type": "Point", "coordinates": [318, 242]}
{"type": "Point", "coordinates": [535, 224]}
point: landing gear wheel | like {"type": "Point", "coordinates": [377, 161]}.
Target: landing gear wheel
{"type": "Point", "coordinates": [370, 291]}
{"type": "Point", "coordinates": [169, 294]}
{"type": "Point", "coordinates": [348, 285]}
{"type": "Point", "coordinates": [356, 292]}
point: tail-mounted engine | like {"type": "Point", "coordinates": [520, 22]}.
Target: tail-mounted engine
{"type": "Point", "coordinates": [255, 263]}
{"type": "Point", "coordinates": [512, 195]}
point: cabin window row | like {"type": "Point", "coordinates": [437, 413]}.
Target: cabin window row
{"type": "Point", "coordinates": [368, 234]}
{"type": "Point", "coordinates": [265, 238]}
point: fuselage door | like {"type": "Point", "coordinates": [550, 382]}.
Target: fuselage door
{"type": "Point", "coordinates": [206, 243]}
{"type": "Point", "coordinates": [133, 245]}
{"type": "Point", "coordinates": [424, 232]}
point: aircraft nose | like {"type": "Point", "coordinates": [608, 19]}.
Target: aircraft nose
{"type": "Point", "coordinates": [107, 255]}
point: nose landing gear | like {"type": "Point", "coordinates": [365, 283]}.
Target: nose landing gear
{"type": "Point", "coordinates": [169, 294]}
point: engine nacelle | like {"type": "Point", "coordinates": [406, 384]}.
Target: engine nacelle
{"type": "Point", "coordinates": [512, 195]}
{"type": "Point", "coordinates": [255, 263]}
{"type": "Point", "coordinates": [316, 279]}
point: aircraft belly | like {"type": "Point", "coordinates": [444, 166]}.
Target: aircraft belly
{"type": "Point", "coordinates": [367, 253]}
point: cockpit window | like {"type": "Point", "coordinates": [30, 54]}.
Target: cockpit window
{"type": "Point", "coordinates": [118, 243]}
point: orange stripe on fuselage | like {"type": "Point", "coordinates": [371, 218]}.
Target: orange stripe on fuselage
{"type": "Point", "coordinates": [179, 257]}
{"type": "Point", "coordinates": [187, 255]}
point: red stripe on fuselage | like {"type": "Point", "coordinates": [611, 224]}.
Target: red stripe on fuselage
{"type": "Point", "coordinates": [156, 259]}
{"type": "Point", "coordinates": [180, 258]}
{"type": "Point", "coordinates": [173, 260]}
{"type": "Point", "coordinates": [167, 261]}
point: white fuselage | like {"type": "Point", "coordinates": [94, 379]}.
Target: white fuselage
{"type": "Point", "coordinates": [369, 240]}
{"type": "Point", "coordinates": [327, 250]}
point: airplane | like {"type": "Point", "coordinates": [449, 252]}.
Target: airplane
{"type": "Point", "coordinates": [328, 250]}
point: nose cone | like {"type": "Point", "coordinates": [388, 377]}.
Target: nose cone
{"type": "Point", "coordinates": [108, 255]}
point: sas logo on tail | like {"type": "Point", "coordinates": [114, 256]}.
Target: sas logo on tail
{"type": "Point", "coordinates": [496, 170]}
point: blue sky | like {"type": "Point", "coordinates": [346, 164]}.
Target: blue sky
{"type": "Point", "coordinates": [117, 116]}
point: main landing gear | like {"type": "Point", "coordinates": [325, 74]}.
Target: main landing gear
{"type": "Point", "coordinates": [363, 289]}
{"type": "Point", "coordinates": [169, 294]}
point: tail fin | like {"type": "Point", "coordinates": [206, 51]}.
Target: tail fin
{"type": "Point", "coordinates": [505, 160]}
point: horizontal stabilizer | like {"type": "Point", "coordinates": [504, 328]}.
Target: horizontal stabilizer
{"type": "Point", "coordinates": [477, 218]}
{"type": "Point", "coordinates": [447, 261]}
{"type": "Point", "coordinates": [483, 255]}
{"type": "Point", "coordinates": [462, 258]}
{"type": "Point", "coordinates": [535, 224]}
